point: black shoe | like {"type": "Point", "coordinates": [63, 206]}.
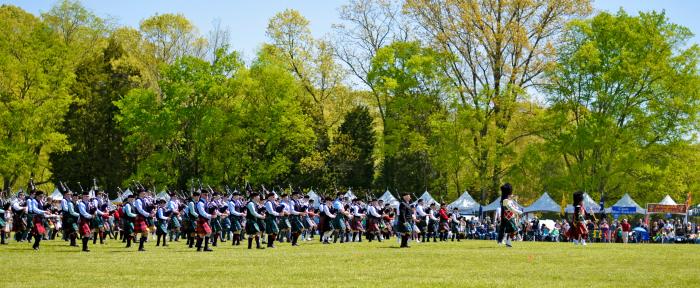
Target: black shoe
{"type": "Point", "coordinates": [142, 250]}
{"type": "Point", "coordinates": [208, 250]}
{"type": "Point", "coordinates": [88, 250]}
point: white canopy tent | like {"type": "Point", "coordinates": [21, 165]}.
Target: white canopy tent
{"type": "Point", "coordinates": [496, 205]}
{"type": "Point", "coordinates": [543, 204]}
{"type": "Point", "coordinates": [668, 201]}
{"type": "Point", "coordinates": [626, 201]}
{"type": "Point", "coordinates": [588, 203]}
{"type": "Point", "coordinates": [427, 199]}
{"type": "Point", "coordinates": [163, 195]}
{"type": "Point", "coordinates": [465, 203]}
{"type": "Point", "coordinates": [56, 195]}
{"type": "Point", "coordinates": [389, 199]}
{"type": "Point", "coordinates": [315, 197]}
{"type": "Point", "coordinates": [350, 195]}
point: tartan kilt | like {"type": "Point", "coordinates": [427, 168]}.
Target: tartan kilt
{"type": "Point", "coordinates": [284, 223]}
{"type": "Point", "coordinates": [175, 222]}
{"type": "Point", "coordinates": [271, 225]}
{"type": "Point", "coordinates": [140, 225]}
{"type": "Point", "coordinates": [261, 224]}
{"type": "Point", "coordinates": [235, 223]}
{"type": "Point", "coordinates": [19, 223]}
{"type": "Point", "coordinates": [225, 224]}
{"type": "Point", "coordinates": [579, 229]}
{"type": "Point", "coordinates": [203, 226]}
{"type": "Point", "coordinates": [338, 222]}
{"type": "Point", "coordinates": [296, 223]}
{"type": "Point", "coordinates": [509, 226]}
{"type": "Point", "coordinates": [422, 225]}
{"type": "Point", "coordinates": [454, 227]}
{"type": "Point", "coordinates": [356, 224]}
{"type": "Point", "coordinates": [38, 225]}
{"type": "Point", "coordinates": [215, 224]}
{"type": "Point", "coordinates": [70, 225]}
{"type": "Point", "coordinates": [373, 224]}
{"type": "Point", "coordinates": [326, 224]}
{"type": "Point", "coordinates": [307, 222]}
{"type": "Point", "coordinates": [444, 226]}
{"type": "Point", "coordinates": [85, 227]}
{"type": "Point", "coordinates": [162, 227]}
{"type": "Point", "coordinates": [405, 227]}
{"type": "Point", "coordinates": [96, 222]}
{"type": "Point", "coordinates": [252, 227]}
{"type": "Point", "coordinates": [128, 226]}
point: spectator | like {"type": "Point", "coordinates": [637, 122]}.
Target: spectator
{"type": "Point", "coordinates": [605, 231]}
{"type": "Point", "coordinates": [626, 228]}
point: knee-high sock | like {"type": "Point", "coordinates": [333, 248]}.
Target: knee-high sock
{"type": "Point", "coordinates": [206, 243]}
{"type": "Point", "coordinates": [250, 242]}
{"type": "Point", "coordinates": [141, 241]}
{"type": "Point", "coordinates": [37, 239]}
{"type": "Point", "coordinates": [85, 243]}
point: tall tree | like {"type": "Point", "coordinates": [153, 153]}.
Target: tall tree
{"type": "Point", "coordinates": [352, 151]}
{"type": "Point", "coordinates": [624, 89]}
{"type": "Point", "coordinates": [96, 140]}
{"type": "Point", "coordinates": [500, 49]}
{"type": "Point", "coordinates": [34, 80]}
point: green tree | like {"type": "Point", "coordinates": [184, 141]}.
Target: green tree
{"type": "Point", "coordinates": [35, 75]}
{"type": "Point", "coordinates": [626, 95]}
{"type": "Point", "coordinates": [408, 78]}
{"type": "Point", "coordinates": [352, 151]}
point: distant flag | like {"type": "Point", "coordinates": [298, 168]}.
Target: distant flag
{"type": "Point", "coordinates": [687, 205]}
{"type": "Point", "coordinates": [563, 204]}
{"type": "Point", "coordinates": [602, 204]}
{"type": "Point", "coordinates": [481, 211]}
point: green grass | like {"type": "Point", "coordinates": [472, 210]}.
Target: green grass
{"type": "Point", "coordinates": [452, 264]}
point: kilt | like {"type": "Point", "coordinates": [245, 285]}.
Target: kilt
{"type": "Point", "coordinates": [203, 226]}
{"type": "Point", "coordinates": [96, 222]}
{"type": "Point", "coordinates": [261, 224]}
{"type": "Point", "coordinates": [38, 225]}
{"type": "Point", "coordinates": [19, 223]}
{"type": "Point", "coordinates": [215, 224]}
{"type": "Point", "coordinates": [140, 225]}
{"type": "Point", "coordinates": [162, 227]}
{"type": "Point", "coordinates": [356, 224]}
{"type": "Point", "coordinates": [509, 226]}
{"type": "Point", "coordinates": [325, 224]}
{"type": "Point", "coordinates": [175, 222]}
{"type": "Point", "coordinates": [225, 224]}
{"type": "Point", "coordinates": [296, 223]}
{"type": "Point", "coordinates": [338, 222]}
{"type": "Point", "coordinates": [306, 221]}
{"type": "Point", "coordinates": [422, 225]}
{"type": "Point", "coordinates": [579, 229]}
{"type": "Point", "coordinates": [252, 227]}
{"type": "Point", "coordinates": [454, 227]}
{"type": "Point", "coordinates": [284, 223]}
{"type": "Point", "coordinates": [235, 223]}
{"type": "Point", "coordinates": [128, 226]}
{"type": "Point", "coordinates": [405, 227]}
{"type": "Point", "coordinates": [70, 225]}
{"type": "Point", "coordinates": [85, 227]}
{"type": "Point", "coordinates": [432, 227]}
{"type": "Point", "coordinates": [373, 225]}
{"type": "Point", "coordinates": [271, 225]}
{"type": "Point", "coordinates": [189, 225]}
{"type": "Point", "coordinates": [444, 226]}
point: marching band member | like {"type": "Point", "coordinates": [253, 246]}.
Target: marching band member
{"type": "Point", "coordinates": [271, 227]}
{"type": "Point", "coordinates": [142, 216]}
{"type": "Point", "coordinates": [443, 222]}
{"type": "Point", "coordinates": [86, 211]}
{"type": "Point", "coordinates": [284, 224]}
{"type": "Point", "coordinates": [173, 208]}
{"type": "Point", "coordinates": [404, 223]}
{"type": "Point", "coordinates": [252, 225]}
{"type": "Point", "coordinates": [298, 211]}
{"type": "Point", "coordinates": [326, 223]}
{"type": "Point", "coordinates": [34, 207]}
{"type": "Point", "coordinates": [356, 223]}
{"type": "Point", "coordinates": [579, 231]}
{"type": "Point", "coordinates": [129, 220]}
{"type": "Point", "coordinates": [340, 214]}
{"type": "Point", "coordinates": [19, 218]}
{"type": "Point", "coordinates": [203, 227]}
{"type": "Point", "coordinates": [161, 222]}
{"type": "Point", "coordinates": [373, 219]}
{"type": "Point", "coordinates": [454, 224]}
{"type": "Point", "coordinates": [509, 214]}
{"type": "Point", "coordinates": [236, 213]}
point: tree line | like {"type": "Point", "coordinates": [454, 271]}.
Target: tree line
{"type": "Point", "coordinates": [415, 95]}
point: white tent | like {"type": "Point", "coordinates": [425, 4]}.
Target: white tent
{"type": "Point", "coordinates": [315, 197]}
{"type": "Point", "coordinates": [465, 203]}
{"type": "Point", "coordinates": [56, 195]}
{"type": "Point", "coordinates": [496, 205]}
{"type": "Point", "coordinates": [427, 199]}
{"type": "Point", "coordinates": [163, 195]}
{"type": "Point", "coordinates": [588, 203]}
{"type": "Point", "coordinates": [126, 194]}
{"type": "Point", "coordinates": [626, 201]}
{"type": "Point", "coordinates": [543, 204]}
{"type": "Point", "coordinates": [350, 195]}
{"type": "Point", "coordinates": [668, 201]}
{"type": "Point", "coordinates": [389, 199]}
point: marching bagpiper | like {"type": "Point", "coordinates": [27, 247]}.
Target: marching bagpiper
{"type": "Point", "coordinates": [129, 219]}
{"type": "Point", "coordinates": [356, 223]}
{"type": "Point", "coordinates": [271, 227]}
{"type": "Point", "coordinates": [252, 225]}
{"type": "Point", "coordinates": [173, 209]}
{"type": "Point", "coordinates": [162, 220]}
{"type": "Point", "coordinates": [298, 211]}
{"type": "Point", "coordinates": [579, 231]}
{"type": "Point", "coordinates": [340, 214]}
{"type": "Point", "coordinates": [509, 214]}
{"type": "Point", "coordinates": [404, 221]}
{"type": "Point", "coordinates": [373, 220]}
{"type": "Point", "coordinates": [285, 225]}
{"type": "Point", "coordinates": [190, 220]}
{"type": "Point", "coordinates": [4, 209]}
{"type": "Point", "coordinates": [87, 212]}
{"type": "Point", "coordinates": [236, 210]}
{"type": "Point", "coordinates": [37, 214]}
{"type": "Point", "coordinates": [142, 216]}
{"type": "Point", "coordinates": [19, 217]}
{"type": "Point", "coordinates": [203, 226]}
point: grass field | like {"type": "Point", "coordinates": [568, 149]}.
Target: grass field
{"type": "Point", "coordinates": [452, 264]}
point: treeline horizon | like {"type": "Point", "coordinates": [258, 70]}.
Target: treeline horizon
{"type": "Point", "coordinates": [411, 95]}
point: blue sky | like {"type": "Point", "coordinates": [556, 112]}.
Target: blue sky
{"type": "Point", "coordinates": [247, 20]}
